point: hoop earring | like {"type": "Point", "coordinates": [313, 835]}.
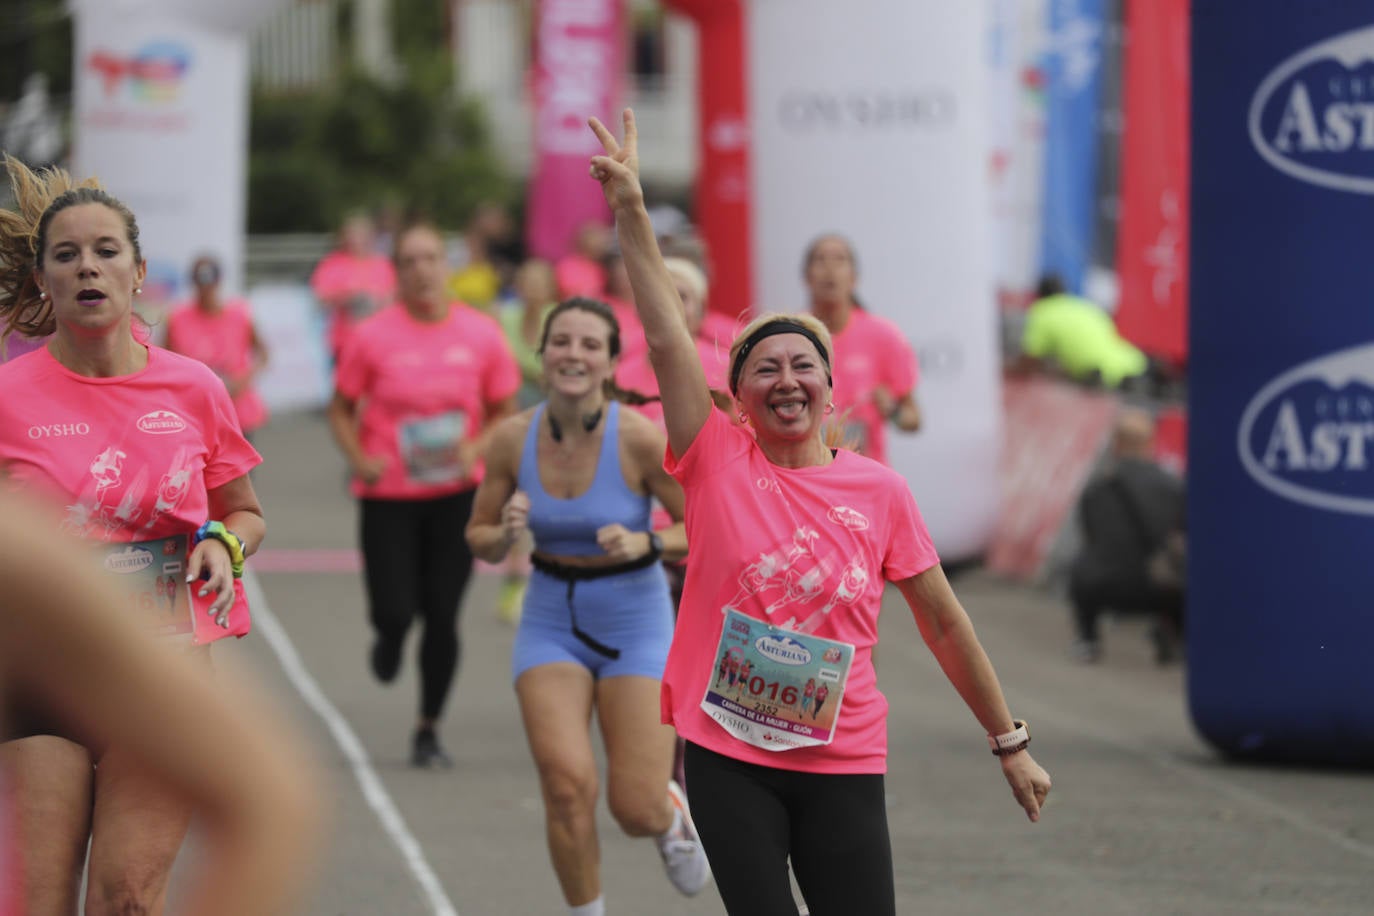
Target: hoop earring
{"type": "Point", "coordinates": [830, 408]}
{"type": "Point", "coordinates": [742, 418]}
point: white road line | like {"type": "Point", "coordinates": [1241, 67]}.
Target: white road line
{"type": "Point", "coordinates": [371, 785]}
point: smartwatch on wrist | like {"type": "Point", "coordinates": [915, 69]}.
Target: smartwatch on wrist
{"type": "Point", "coordinates": [1015, 740]}
{"type": "Point", "coordinates": [655, 544]}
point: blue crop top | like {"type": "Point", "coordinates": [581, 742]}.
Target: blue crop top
{"type": "Point", "coordinates": [567, 527]}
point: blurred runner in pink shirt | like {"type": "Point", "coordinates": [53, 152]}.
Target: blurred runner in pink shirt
{"type": "Point", "coordinates": [138, 451]}
{"type": "Point", "coordinates": [875, 371]}
{"type": "Point", "coordinates": [636, 375]}
{"type": "Point", "coordinates": [221, 334]}
{"type": "Point", "coordinates": [417, 390]}
{"type": "Point", "coordinates": [353, 281]}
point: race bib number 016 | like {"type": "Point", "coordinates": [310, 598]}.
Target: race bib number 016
{"type": "Point", "coordinates": [776, 689]}
{"type": "Point", "coordinates": [150, 577]}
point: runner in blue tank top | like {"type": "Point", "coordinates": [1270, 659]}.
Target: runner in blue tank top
{"type": "Point", "coordinates": [580, 474]}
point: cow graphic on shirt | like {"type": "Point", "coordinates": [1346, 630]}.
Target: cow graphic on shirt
{"type": "Point", "coordinates": [96, 513]}
{"type": "Point", "coordinates": [760, 574]}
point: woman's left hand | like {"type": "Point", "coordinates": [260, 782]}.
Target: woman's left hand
{"type": "Point", "coordinates": [1029, 782]}
{"type": "Point", "coordinates": [212, 557]}
{"type": "Point", "coordinates": [620, 543]}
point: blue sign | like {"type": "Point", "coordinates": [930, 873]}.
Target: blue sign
{"type": "Point", "coordinates": [1073, 64]}
{"type": "Point", "coordinates": [1281, 450]}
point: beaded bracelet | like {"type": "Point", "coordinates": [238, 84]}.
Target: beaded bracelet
{"type": "Point", "coordinates": [229, 539]}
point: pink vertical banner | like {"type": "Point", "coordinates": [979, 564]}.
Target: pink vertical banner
{"type": "Point", "coordinates": [579, 62]}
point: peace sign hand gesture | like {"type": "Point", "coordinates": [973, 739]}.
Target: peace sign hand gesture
{"type": "Point", "coordinates": [618, 170]}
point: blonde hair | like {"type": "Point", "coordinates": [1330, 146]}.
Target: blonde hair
{"type": "Point", "coordinates": [684, 270]}
{"type": "Point", "coordinates": [39, 196]}
{"type": "Point", "coordinates": [800, 319]}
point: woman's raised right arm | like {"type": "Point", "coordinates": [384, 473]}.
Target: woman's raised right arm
{"type": "Point", "coordinates": [681, 381]}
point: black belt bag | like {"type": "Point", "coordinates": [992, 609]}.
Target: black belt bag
{"type": "Point", "coordinates": [575, 574]}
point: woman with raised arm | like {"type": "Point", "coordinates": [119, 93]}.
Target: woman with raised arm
{"type": "Point", "coordinates": [791, 543]}
{"type": "Point", "coordinates": [579, 473]}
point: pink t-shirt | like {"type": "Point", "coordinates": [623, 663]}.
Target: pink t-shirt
{"type": "Point", "coordinates": [579, 276]}
{"type": "Point", "coordinates": [638, 375]}
{"type": "Point", "coordinates": [369, 282]}
{"type": "Point", "coordinates": [755, 529]}
{"type": "Point", "coordinates": [130, 458]}
{"type": "Point", "coordinates": [869, 352]}
{"type": "Point", "coordinates": [224, 342]}
{"type": "Point", "coordinates": [424, 387]}
{"type": "Point", "coordinates": [632, 342]}
{"type": "Point", "coordinates": [721, 330]}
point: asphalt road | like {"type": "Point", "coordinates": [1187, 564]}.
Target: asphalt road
{"type": "Point", "coordinates": [1144, 818]}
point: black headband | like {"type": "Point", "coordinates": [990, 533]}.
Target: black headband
{"type": "Point", "coordinates": [768, 329]}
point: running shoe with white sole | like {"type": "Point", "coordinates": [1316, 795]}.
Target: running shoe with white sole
{"type": "Point", "coordinates": [683, 856]}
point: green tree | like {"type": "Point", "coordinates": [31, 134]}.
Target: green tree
{"type": "Point", "coordinates": [363, 142]}
{"type": "Point", "coordinates": [35, 37]}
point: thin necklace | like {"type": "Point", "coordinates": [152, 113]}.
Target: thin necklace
{"type": "Point", "coordinates": [589, 421]}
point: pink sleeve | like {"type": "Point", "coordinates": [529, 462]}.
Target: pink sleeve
{"type": "Point", "coordinates": [353, 374]}
{"type": "Point", "coordinates": [717, 443]}
{"type": "Point", "coordinates": [230, 455]}
{"type": "Point", "coordinates": [324, 278]}
{"type": "Point", "coordinates": [910, 550]}
{"type": "Point", "coordinates": [502, 376]}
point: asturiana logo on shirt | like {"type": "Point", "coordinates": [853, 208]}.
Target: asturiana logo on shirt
{"type": "Point", "coordinates": [783, 649]}
{"type": "Point", "coordinates": [161, 422]}
{"type": "Point", "coordinates": [129, 560]}
{"type": "Point", "coordinates": [1308, 435]}
{"type": "Point", "coordinates": [852, 519]}
{"type": "Point", "coordinates": [1312, 117]}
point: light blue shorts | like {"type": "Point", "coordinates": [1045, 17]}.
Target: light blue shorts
{"type": "Point", "coordinates": [631, 613]}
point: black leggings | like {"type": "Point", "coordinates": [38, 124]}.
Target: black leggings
{"type": "Point", "coordinates": [416, 562]}
{"type": "Point", "coordinates": [752, 818]}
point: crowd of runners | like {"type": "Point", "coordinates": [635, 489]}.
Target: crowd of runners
{"type": "Point", "coordinates": [700, 492]}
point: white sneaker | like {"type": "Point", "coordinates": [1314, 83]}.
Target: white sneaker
{"type": "Point", "coordinates": [683, 856]}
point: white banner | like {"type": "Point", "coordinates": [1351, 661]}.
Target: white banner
{"type": "Point", "coordinates": [297, 376]}
{"type": "Point", "coordinates": [869, 119]}
{"type": "Point", "coordinates": [1017, 38]}
{"type": "Point", "coordinates": [161, 117]}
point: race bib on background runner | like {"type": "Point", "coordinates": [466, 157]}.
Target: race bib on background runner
{"type": "Point", "coordinates": [429, 447]}
{"type": "Point", "coordinates": [776, 689]}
